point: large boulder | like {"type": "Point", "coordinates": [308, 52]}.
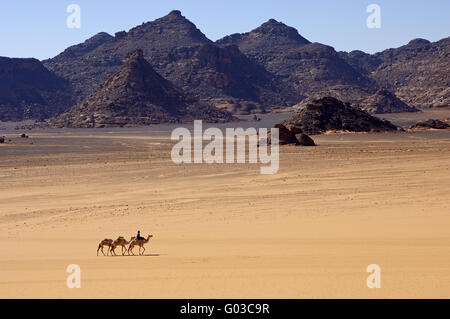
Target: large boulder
{"type": "Point", "coordinates": [292, 136]}
{"type": "Point", "coordinates": [305, 140]}
{"type": "Point", "coordinates": [285, 136]}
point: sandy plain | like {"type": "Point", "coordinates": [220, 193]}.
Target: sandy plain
{"type": "Point", "coordinates": [225, 230]}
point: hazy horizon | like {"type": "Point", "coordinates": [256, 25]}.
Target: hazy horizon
{"type": "Point", "coordinates": [39, 29]}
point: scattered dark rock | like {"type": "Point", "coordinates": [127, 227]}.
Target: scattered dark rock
{"type": "Point", "coordinates": [431, 124]}
{"type": "Point", "coordinates": [330, 114]}
{"type": "Point", "coordinates": [23, 135]}
{"type": "Point", "coordinates": [2, 140]}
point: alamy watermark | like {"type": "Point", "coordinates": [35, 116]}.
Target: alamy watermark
{"type": "Point", "coordinates": [74, 279]}
{"type": "Point", "coordinates": [374, 19]}
{"type": "Point", "coordinates": [374, 279]}
{"type": "Point", "coordinates": [189, 148]}
{"type": "Point", "coordinates": [74, 19]}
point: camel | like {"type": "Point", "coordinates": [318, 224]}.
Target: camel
{"type": "Point", "coordinates": [105, 242]}
{"type": "Point", "coordinates": [140, 243]}
{"type": "Point", "coordinates": [122, 242]}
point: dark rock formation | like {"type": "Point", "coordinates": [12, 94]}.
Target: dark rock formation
{"type": "Point", "coordinates": [180, 53]}
{"type": "Point", "coordinates": [330, 114]}
{"type": "Point", "coordinates": [137, 95]}
{"type": "Point", "coordinates": [28, 90]}
{"type": "Point", "coordinates": [431, 124]}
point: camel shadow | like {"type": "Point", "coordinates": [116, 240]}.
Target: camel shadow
{"type": "Point", "coordinates": [144, 255]}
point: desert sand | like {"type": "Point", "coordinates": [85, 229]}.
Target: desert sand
{"type": "Point", "coordinates": [225, 230]}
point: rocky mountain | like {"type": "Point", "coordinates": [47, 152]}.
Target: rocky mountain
{"type": "Point", "coordinates": [330, 114]}
{"type": "Point", "coordinates": [136, 95]}
{"type": "Point", "coordinates": [182, 54]}
{"type": "Point", "coordinates": [417, 72]}
{"type": "Point", "coordinates": [309, 67]}
{"type": "Point", "coordinates": [29, 91]}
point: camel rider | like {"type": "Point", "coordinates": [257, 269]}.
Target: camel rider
{"type": "Point", "coordinates": [139, 235]}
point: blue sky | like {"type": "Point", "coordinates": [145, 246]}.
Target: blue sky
{"type": "Point", "coordinates": [38, 28]}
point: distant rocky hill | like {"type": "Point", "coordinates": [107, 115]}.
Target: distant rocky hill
{"type": "Point", "coordinates": [417, 72]}
{"type": "Point", "coordinates": [330, 114]}
{"type": "Point", "coordinates": [136, 95]}
{"type": "Point", "coordinates": [29, 91]}
{"type": "Point", "coordinates": [180, 53]}
{"type": "Point", "coordinates": [382, 101]}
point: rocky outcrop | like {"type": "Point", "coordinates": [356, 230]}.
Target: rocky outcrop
{"type": "Point", "coordinates": [29, 91]}
{"type": "Point", "coordinates": [137, 95]}
{"type": "Point", "coordinates": [182, 54]}
{"type": "Point", "coordinates": [352, 94]}
{"type": "Point", "coordinates": [431, 124]}
{"type": "Point", "coordinates": [330, 114]}
{"type": "Point", "coordinates": [380, 102]}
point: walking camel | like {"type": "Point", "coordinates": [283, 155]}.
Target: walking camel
{"type": "Point", "coordinates": [122, 242]}
{"type": "Point", "coordinates": [140, 243]}
{"type": "Point", "coordinates": [105, 242]}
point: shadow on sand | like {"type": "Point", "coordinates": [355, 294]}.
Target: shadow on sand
{"type": "Point", "coordinates": [144, 255]}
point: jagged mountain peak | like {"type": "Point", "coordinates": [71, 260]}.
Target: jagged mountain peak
{"type": "Point", "coordinates": [418, 41]}
{"type": "Point", "coordinates": [270, 33]}
{"type": "Point", "coordinates": [173, 25]}
{"type": "Point", "coordinates": [276, 28]}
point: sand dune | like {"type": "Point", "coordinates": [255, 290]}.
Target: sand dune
{"type": "Point", "coordinates": [223, 231]}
